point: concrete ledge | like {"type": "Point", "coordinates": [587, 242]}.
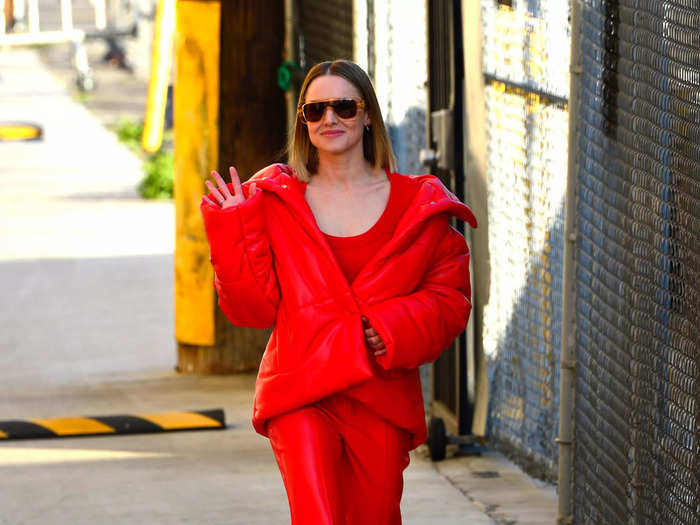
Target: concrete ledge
{"type": "Point", "coordinates": [120, 424]}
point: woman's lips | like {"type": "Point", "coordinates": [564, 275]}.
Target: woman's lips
{"type": "Point", "coordinates": [332, 133]}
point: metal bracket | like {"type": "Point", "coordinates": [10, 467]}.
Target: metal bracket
{"type": "Point", "coordinates": [565, 520]}
{"type": "Point", "coordinates": [428, 157]}
{"type": "Point", "coordinates": [568, 364]}
{"type": "Point", "coordinates": [442, 124]}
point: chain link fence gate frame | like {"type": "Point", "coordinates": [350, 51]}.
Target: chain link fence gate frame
{"type": "Point", "coordinates": [637, 273]}
{"type": "Point", "coordinates": [637, 250]}
{"type": "Point", "coordinates": [525, 55]}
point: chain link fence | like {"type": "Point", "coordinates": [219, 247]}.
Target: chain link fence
{"type": "Point", "coordinates": [637, 274]}
{"type": "Point", "coordinates": [525, 52]}
{"type": "Point", "coordinates": [637, 415]}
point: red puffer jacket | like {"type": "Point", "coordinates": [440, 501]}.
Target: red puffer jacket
{"type": "Point", "coordinates": [274, 267]}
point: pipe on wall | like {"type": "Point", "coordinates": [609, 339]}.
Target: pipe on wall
{"type": "Point", "coordinates": [568, 340]}
{"type": "Point", "coordinates": [291, 21]}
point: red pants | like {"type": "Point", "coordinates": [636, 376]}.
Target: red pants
{"type": "Point", "coordinates": [341, 464]}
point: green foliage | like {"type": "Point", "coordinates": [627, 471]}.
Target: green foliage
{"type": "Point", "coordinates": [129, 132]}
{"type": "Point", "coordinates": [158, 180]}
{"type": "Point", "coordinates": [82, 96]}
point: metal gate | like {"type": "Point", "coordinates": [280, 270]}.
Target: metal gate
{"type": "Point", "coordinates": [637, 400]}
{"type": "Point", "coordinates": [525, 59]}
{"type": "Point", "coordinates": [637, 249]}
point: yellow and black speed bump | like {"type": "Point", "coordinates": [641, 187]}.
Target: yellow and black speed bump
{"type": "Point", "coordinates": [111, 425]}
{"type": "Point", "coordinates": [20, 131]}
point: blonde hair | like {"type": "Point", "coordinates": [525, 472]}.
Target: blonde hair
{"type": "Point", "coordinates": [303, 155]}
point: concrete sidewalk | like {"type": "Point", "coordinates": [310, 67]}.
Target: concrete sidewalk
{"type": "Point", "coordinates": [86, 328]}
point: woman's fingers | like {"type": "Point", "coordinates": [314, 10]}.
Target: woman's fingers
{"type": "Point", "coordinates": [374, 341]}
{"type": "Point", "coordinates": [376, 344]}
{"type": "Point", "coordinates": [221, 183]}
{"type": "Point", "coordinates": [371, 335]}
{"type": "Point", "coordinates": [223, 195]}
{"type": "Point", "coordinates": [214, 191]}
{"type": "Point", "coordinates": [237, 189]}
{"type": "Point", "coordinates": [235, 182]}
{"type": "Point", "coordinates": [380, 346]}
{"type": "Point", "coordinates": [209, 201]}
{"type": "Point", "coordinates": [372, 338]}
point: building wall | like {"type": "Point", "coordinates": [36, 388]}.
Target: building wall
{"type": "Point", "coordinates": [390, 44]}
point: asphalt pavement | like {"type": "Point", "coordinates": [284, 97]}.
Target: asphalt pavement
{"type": "Point", "coordinates": [86, 328]}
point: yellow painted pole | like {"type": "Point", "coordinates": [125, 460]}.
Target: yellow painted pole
{"type": "Point", "coordinates": [196, 116]}
{"type": "Point", "coordinates": [160, 76]}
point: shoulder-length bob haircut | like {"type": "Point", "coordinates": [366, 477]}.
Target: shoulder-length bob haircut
{"type": "Point", "coordinates": [303, 156]}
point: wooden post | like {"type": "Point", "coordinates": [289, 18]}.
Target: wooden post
{"type": "Point", "coordinates": [253, 121]}
{"type": "Point", "coordinates": [253, 112]}
{"type": "Point", "coordinates": [228, 111]}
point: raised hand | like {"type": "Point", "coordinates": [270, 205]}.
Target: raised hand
{"type": "Point", "coordinates": [222, 195]}
{"type": "Point", "coordinates": [372, 338]}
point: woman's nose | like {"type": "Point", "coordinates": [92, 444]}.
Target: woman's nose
{"type": "Point", "coordinates": [329, 114]}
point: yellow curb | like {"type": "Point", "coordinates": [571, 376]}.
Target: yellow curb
{"type": "Point", "coordinates": [64, 426]}
{"type": "Point", "coordinates": [178, 420]}
{"type": "Point", "coordinates": [19, 132]}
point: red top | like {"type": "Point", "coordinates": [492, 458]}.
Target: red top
{"type": "Point", "coordinates": [353, 252]}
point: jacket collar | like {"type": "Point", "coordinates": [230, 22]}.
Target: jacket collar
{"type": "Point", "coordinates": [279, 179]}
{"type": "Point", "coordinates": [432, 198]}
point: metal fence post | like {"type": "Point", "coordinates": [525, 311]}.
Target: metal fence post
{"type": "Point", "coordinates": [568, 339]}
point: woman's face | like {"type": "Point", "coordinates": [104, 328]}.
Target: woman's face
{"type": "Point", "coordinates": [333, 134]}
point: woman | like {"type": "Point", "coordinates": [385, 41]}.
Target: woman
{"type": "Point", "coordinates": [363, 279]}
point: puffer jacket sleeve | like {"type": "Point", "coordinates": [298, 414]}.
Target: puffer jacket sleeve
{"type": "Point", "coordinates": [416, 328]}
{"type": "Point", "coordinates": [244, 275]}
